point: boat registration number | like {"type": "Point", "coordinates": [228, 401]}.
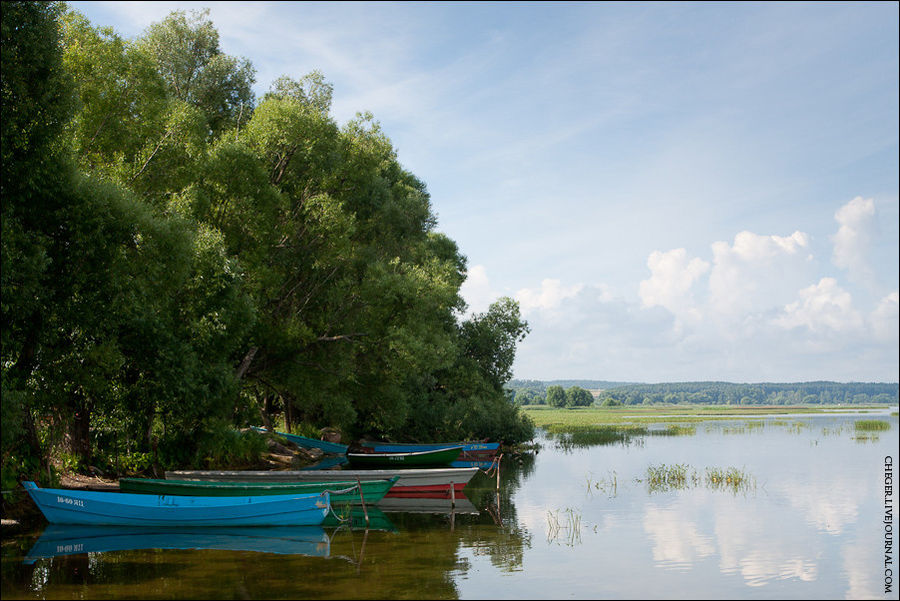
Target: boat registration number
{"type": "Point", "coordinates": [69, 501]}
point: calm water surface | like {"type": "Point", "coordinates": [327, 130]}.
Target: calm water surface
{"type": "Point", "coordinates": [577, 520]}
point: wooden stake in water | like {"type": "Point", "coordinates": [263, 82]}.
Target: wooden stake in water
{"type": "Point", "coordinates": [362, 500]}
{"type": "Point", "coordinates": [452, 495]}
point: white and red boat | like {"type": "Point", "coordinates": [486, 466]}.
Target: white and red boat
{"type": "Point", "coordinates": [410, 481]}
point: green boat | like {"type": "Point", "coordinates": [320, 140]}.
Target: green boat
{"type": "Point", "coordinates": [416, 459]}
{"type": "Point", "coordinates": [341, 491]}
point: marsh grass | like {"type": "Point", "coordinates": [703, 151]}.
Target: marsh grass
{"type": "Point", "coordinates": [575, 437]}
{"type": "Point", "coordinates": [872, 425]}
{"type": "Point", "coordinates": [731, 479]}
{"type": "Point", "coordinates": [747, 427]}
{"type": "Point", "coordinates": [675, 430]}
{"type": "Point", "coordinates": [661, 478]}
{"type": "Point", "coordinates": [548, 417]}
{"type": "Point", "coordinates": [665, 478]}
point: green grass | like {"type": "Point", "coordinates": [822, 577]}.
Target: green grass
{"type": "Point", "coordinates": [583, 417]}
{"type": "Point", "coordinates": [872, 425]}
{"type": "Point", "coordinates": [664, 478]}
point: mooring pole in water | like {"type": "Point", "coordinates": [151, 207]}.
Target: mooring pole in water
{"type": "Point", "coordinates": [452, 495]}
{"type": "Point", "coordinates": [363, 501]}
{"type": "Point", "coordinates": [498, 471]}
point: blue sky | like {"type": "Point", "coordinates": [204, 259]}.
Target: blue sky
{"type": "Point", "coordinates": [672, 191]}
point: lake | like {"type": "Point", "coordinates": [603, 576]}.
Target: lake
{"type": "Point", "coordinates": [773, 508]}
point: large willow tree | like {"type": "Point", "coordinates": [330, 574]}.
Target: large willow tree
{"type": "Point", "coordinates": [180, 258]}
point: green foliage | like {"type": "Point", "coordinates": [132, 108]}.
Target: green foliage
{"type": "Point", "coordinates": [222, 446]}
{"type": "Point", "coordinates": [556, 396]}
{"type": "Point", "coordinates": [577, 396]}
{"type": "Point", "coordinates": [177, 260]}
{"type": "Point", "coordinates": [726, 393]}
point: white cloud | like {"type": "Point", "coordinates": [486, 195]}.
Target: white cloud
{"type": "Point", "coordinates": [853, 240]}
{"type": "Point", "coordinates": [670, 283]}
{"type": "Point", "coordinates": [823, 307]}
{"type": "Point", "coordinates": [885, 319]}
{"type": "Point", "coordinates": [476, 290]}
{"type": "Point", "coordinates": [757, 272]}
{"type": "Point", "coordinates": [677, 541]}
{"type": "Point", "coordinates": [548, 296]}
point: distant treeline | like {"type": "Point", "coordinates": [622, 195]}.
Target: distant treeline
{"type": "Point", "coordinates": [725, 393]}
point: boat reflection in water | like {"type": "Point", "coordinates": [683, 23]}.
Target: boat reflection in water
{"type": "Point", "coordinates": [59, 539]}
{"type": "Point", "coordinates": [428, 504]}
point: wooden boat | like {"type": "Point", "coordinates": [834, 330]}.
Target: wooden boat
{"type": "Point", "coordinates": [482, 465]}
{"type": "Point", "coordinates": [65, 506]}
{"type": "Point", "coordinates": [65, 539]}
{"type": "Point", "coordinates": [414, 459]}
{"type": "Point", "coordinates": [343, 491]}
{"type": "Point", "coordinates": [410, 480]}
{"type": "Point", "coordinates": [471, 451]}
{"type": "Point", "coordinates": [309, 443]}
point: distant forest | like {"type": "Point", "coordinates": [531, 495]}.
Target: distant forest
{"type": "Point", "coordinates": [534, 392]}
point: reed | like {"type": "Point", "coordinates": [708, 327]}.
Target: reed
{"type": "Point", "coordinates": [661, 478]}
{"type": "Point", "coordinates": [569, 528]}
{"type": "Point", "coordinates": [609, 486]}
{"type": "Point", "coordinates": [872, 425]}
{"type": "Point", "coordinates": [664, 478]}
{"type": "Point", "coordinates": [730, 478]}
{"type": "Point", "coordinates": [675, 430]}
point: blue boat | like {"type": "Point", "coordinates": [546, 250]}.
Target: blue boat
{"type": "Point", "coordinates": [66, 506]}
{"type": "Point", "coordinates": [59, 540]}
{"type": "Point", "coordinates": [309, 443]}
{"type": "Point", "coordinates": [471, 451]}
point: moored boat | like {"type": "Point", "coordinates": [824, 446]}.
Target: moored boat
{"type": "Point", "coordinates": [341, 491]}
{"type": "Point", "coordinates": [410, 480]}
{"type": "Point", "coordinates": [471, 451]}
{"type": "Point", "coordinates": [309, 443]}
{"type": "Point", "coordinates": [66, 506]}
{"type": "Point", "coordinates": [412, 459]}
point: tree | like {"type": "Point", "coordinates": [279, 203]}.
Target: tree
{"type": "Point", "coordinates": [556, 396]}
{"type": "Point", "coordinates": [196, 71]}
{"type": "Point", "coordinates": [577, 396]}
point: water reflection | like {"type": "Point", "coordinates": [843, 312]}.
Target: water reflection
{"type": "Point", "coordinates": [57, 540]}
{"type": "Point", "coordinates": [575, 520]}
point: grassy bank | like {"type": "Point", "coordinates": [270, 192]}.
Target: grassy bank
{"type": "Point", "coordinates": [552, 418]}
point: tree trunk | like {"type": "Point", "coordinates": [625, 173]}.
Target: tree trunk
{"type": "Point", "coordinates": [78, 436]}
{"type": "Point", "coordinates": [245, 363]}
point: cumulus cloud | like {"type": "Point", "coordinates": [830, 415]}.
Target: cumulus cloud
{"type": "Point", "coordinates": [853, 240]}
{"type": "Point", "coordinates": [477, 291]}
{"type": "Point", "coordinates": [757, 272]}
{"type": "Point", "coordinates": [548, 296]}
{"type": "Point", "coordinates": [823, 307]}
{"type": "Point", "coordinates": [677, 541]}
{"type": "Point", "coordinates": [885, 319]}
{"type": "Point", "coordinates": [672, 277]}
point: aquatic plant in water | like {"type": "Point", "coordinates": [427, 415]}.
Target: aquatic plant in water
{"type": "Point", "coordinates": [569, 529]}
{"type": "Point", "coordinates": [872, 425]}
{"type": "Point", "coordinates": [609, 486]}
{"type": "Point", "coordinates": [664, 478]}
